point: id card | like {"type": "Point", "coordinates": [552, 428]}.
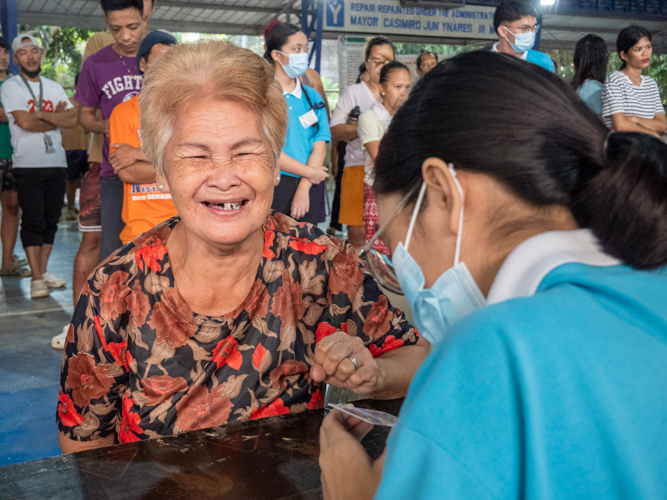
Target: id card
{"type": "Point", "coordinates": [48, 142]}
{"type": "Point", "coordinates": [308, 119]}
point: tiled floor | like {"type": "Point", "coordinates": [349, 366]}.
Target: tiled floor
{"type": "Point", "coordinates": [29, 367]}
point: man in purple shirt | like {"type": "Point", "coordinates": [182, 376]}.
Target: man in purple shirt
{"type": "Point", "coordinates": [108, 78]}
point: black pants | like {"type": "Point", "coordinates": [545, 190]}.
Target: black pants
{"type": "Point", "coordinates": [40, 192]}
{"type": "Point", "coordinates": [284, 192]}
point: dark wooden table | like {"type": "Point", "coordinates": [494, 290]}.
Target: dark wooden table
{"type": "Point", "coordinates": [271, 458]}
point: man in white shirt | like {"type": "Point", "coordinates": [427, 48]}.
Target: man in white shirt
{"type": "Point", "coordinates": [379, 51]}
{"type": "Point", "coordinates": [37, 108]}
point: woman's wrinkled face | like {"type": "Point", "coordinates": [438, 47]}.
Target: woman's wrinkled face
{"type": "Point", "coordinates": [639, 55]}
{"type": "Point", "coordinates": [220, 171]}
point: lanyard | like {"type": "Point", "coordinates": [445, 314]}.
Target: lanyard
{"type": "Point", "coordinates": [38, 106]}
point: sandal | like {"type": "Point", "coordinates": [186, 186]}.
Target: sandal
{"type": "Point", "coordinates": [19, 261]}
{"type": "Point", "coordinates": [16, 271]}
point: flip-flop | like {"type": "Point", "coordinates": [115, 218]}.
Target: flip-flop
{"type": "Point", "coordinates": [19, 261]}
{"type": "Point", "coordinates": [16, 271]}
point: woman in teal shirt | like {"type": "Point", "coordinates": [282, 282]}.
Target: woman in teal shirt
{"type": "Point", "coordinates": [300, 192]}
{"type": "Point", "coordinates": [548, 376]}
{"type": "Point", "coordinates": [590, 71]}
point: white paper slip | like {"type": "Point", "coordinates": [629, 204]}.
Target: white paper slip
{"type": "Point", "coordinates": [373, 417]}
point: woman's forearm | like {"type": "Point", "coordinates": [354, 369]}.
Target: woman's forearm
{"type": "Point", "coordinates": [292, 166]}
{"type": "Point", "coordinates": [655, 124]}
{"type": "Point", "coordinates": [317, 154]}
{"type": "Point", "coordinates": [622, 123]}
{"type": "Point", "coordinates": [68, 445]}
{"type": "Point", "coordinates": [397, 369]}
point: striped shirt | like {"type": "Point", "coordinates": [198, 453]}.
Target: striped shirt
{"type": "Point", "coordinates": [620, 95]}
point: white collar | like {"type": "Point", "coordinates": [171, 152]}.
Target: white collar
{"type": "Point", "coordinates": [530, 262]}
{"type": "Point", "coordinates": [523, 56]}
{"type": "Point", "coordinates": [296, 92]}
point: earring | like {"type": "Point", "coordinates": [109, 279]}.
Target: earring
{"type": "Point", "coordinates": [278, 178]}
{"type": "Point", "coordinates": [161, 187]}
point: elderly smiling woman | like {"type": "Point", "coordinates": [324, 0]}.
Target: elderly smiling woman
{"type": "Point", "coordinates": [229, 311]}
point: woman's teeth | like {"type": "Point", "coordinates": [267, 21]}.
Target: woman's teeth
{"type": "Point", "coordinates": [225, 206]}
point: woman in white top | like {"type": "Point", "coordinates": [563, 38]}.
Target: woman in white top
{"type": "Point", "coordinates": [394, 89]}
{"type": "Point", "coordinates": [631, 101]}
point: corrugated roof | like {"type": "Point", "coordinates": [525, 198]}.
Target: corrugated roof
{"type": "Point", "coordinates": [248, 17]}
{"type": "Point", "coordinates": [232, 17]}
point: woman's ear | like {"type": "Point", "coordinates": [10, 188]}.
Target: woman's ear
{"type": "Point", "coordinates": [276, 175]}
{"type": "Point", "coordinates": [161, 181]}
{"type": "Point", "coordinates": [443, 191]}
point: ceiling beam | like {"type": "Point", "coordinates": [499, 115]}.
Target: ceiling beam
{"type": "Point", "coordinates": [234, 8]}
{"type": "Point", "coordinates": [37, 18]}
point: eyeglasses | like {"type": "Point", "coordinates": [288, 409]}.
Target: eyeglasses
{"type": "Point", "coordinates": [524, 29]}
{"type": "Point", "coordinates": [379, 264]}
{"type": "Point", "coordinates": [377, 62]}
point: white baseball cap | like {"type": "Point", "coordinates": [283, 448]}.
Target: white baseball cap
{"type": "Point", "coordinates": [20, 42]}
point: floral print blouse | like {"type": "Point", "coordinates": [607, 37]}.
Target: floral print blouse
{"type": "Point", "coordinates": [139, 363]}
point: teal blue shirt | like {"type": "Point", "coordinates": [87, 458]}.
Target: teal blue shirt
{"type": "Point", "coordinates": [541, 59]}
{"type": "Point", "coordinates": [299, 141]}
{"type": "Point", "coordinates": [559, 395]}
{"type": "Point", "coordinates": [591, 93]}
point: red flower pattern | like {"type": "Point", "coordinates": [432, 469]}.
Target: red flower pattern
{"type": "Point", "coordinates": [67, 412]}
{"type": "Point", "coordinates": [226, 353]}
{"type": "Point", "coordinates": [269, 238]}
{"type": "Point", "coordinates": [129, 423]}
{"type": "Point", "coordinates": [132, 317]}
{"type": "Point", "coordinates": [317, 401]}
{"type": "Point", "coordinates": [390, 344]}
{"type": "Point", "coordinates": [275, 408]}
{"type": "Point", "coordinates": [151, 255]}
{"type": "Point", "coordinates": [306, 246]}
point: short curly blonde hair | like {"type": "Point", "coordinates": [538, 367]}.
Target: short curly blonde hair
{"type": "Point", "coordinates": [217, 69]}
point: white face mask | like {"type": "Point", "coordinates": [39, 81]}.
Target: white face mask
{"type": "Point", "coordinates": [298, 64]}
{"type": "Point", "coordinates": [522, 41]}
{"type": "Point", "coordinates": [454, 294]}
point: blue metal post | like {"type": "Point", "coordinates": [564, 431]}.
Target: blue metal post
{"type": "Point", "coordinates": [10, 21]}
{"type": "Point", "coordinates": [305, 4]}
{"type": "Point", "coordinates": [538, 36]}
{"type": "Point", "coordinates": [318, 35]}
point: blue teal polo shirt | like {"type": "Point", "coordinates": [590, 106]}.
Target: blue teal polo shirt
{"type": "Point", "coordinates": [556, 396]}
{"type": "Point", "coordinates": [299, 141]}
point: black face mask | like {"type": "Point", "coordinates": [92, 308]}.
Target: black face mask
{"type": "Point", "coordinates": [31, 74]}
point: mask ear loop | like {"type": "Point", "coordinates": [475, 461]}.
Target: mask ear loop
{"type": "Point", "coordinates": [457, 253]}
{"type": "Point", "coordinates": [415, 212]}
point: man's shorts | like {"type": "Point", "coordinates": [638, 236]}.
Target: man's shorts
{"type": "Point", "coordinates": [352, 196]}
{"type": "Point", "coordinates": [6, 176]}
{"type": "Point", "coordinates": [77, 164]}
{"type": "Point", "coordinates": [90, 201]}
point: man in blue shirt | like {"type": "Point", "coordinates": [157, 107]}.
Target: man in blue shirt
{"type": "Point", "coordinates": [515, 22]}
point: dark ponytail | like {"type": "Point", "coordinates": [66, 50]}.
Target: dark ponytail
{"type": "Point", "coordinates": [625, 204]}
{"type": "Point", "coordinates": [521, 125]}
{"type": "Point", "coordinates": [278, 37]}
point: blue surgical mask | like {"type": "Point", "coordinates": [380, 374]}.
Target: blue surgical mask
{"type": "Point", "coordinates": [454, 294]}
{"type": "Point", "coordinates": [522, 41]}
{"type": "Point", "coordinates": [298, 64]}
